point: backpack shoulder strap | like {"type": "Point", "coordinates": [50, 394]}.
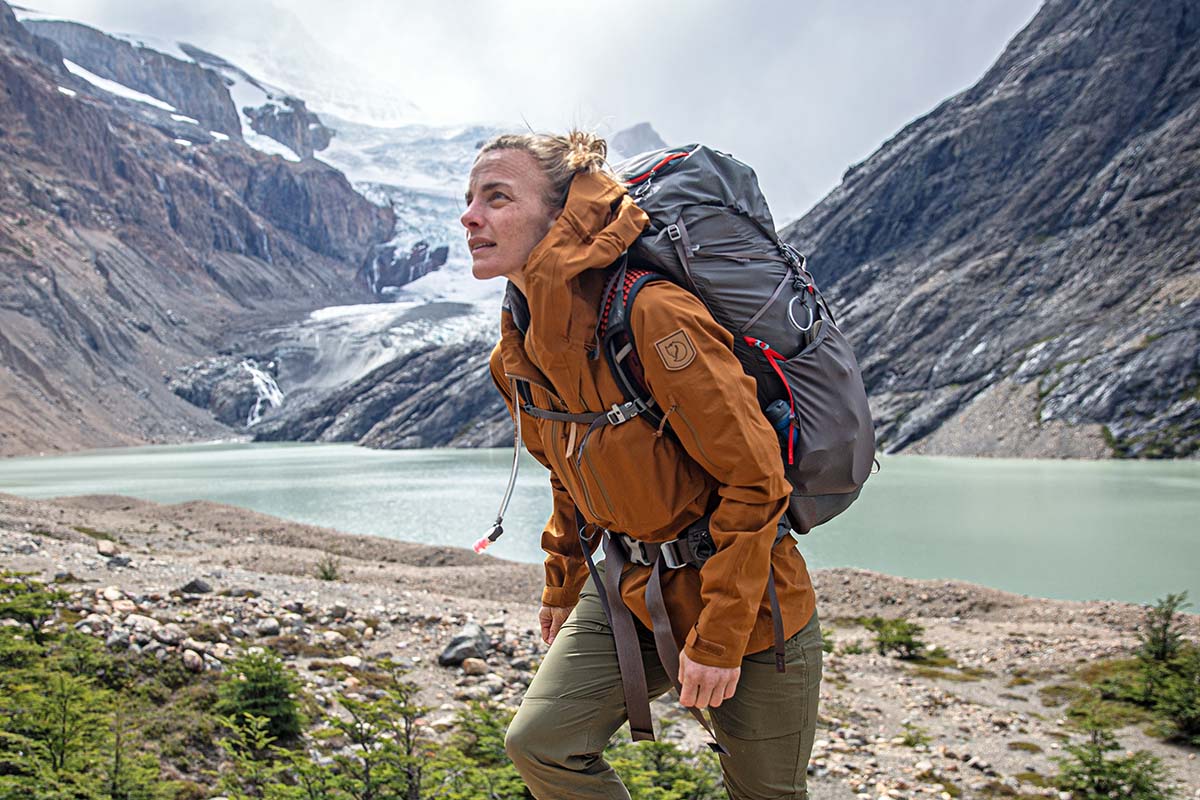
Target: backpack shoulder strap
{"type": "Point", "coordinates": [617, 340]}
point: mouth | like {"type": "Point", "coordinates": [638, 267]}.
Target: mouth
{"type": "Point", "coordinates": [479, 244]}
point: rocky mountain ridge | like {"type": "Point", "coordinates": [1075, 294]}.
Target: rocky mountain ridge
{"type": "Point", "coordinates": [1019, 269]}
{"type": "Point", "coordinates": [128, 251]}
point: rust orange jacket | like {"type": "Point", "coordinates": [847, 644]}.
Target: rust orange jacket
{"type": "Point", "coordinates": [723, 457]}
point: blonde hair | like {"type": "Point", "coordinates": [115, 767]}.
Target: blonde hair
{"type": "Point", "coordinates": [560, 158]}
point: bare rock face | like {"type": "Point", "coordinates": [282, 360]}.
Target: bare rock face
{"type": "Point", "coordinates": [388, 270]}
{"type": "Point", "coordinates": [431, 397]}
{"type": "Point", "coordinates": [635, 139]}
{"type": "Point", "coordinates": [293, 124]}
{"type": "Point", "coordinates": [1038, 229]}
{"type": "Point", "coordinates": [185, 85]}
{"type": "Point", "coordinates": [127, 254]}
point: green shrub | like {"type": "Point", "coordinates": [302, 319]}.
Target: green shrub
{"type": "Point", "coordinates": [660, 770]}
{"type": "Point", "coordinates": [827, 641]}
{"type": "Point", "coordinates": [897, 636]}
{"type": "Point", "coordinates": [259, 684]}
{"type": "Point", "coordinates": [1160, 636]}
{"type": "Point", "coordinates": [1178, 699]}
{"type": "Point", "coordinates": [328, 567]}
{"type": "Point", "coordinates": [914, 736]}
{"type": "Point", "coordinates": [1089, 775]}
{"type": "Point", "coordinates": [29, 602]}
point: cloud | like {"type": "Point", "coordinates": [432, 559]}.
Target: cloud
{"type": "Point", "coordinates": [800, 90]}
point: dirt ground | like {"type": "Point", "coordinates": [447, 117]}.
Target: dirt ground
{"type": "Point", "coordinates": [980, 724]}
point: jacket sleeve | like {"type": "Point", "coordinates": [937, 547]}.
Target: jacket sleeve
{"type": "Point", "coordinates": [566, 570]}
{"type": "Point", "coordinates": [712, 408]}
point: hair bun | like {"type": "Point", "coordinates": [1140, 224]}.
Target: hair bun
{"type": "Point", "coordinates": [586, 152]}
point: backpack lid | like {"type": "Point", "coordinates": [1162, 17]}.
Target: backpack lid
{"type": "Point", "coordinates": [701, 176]}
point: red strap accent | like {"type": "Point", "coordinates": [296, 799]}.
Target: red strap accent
{"type": "Point", "coordinates": [774, 357]}
{"type": "Point", "coordinates": [655, 168]}
{"type": "Point", "coordinates": [631, 276]}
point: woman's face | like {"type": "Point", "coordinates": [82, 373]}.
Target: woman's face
{"type": "Point", "coordinates": [506, 213]}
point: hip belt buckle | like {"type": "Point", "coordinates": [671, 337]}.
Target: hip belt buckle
{"type": "Point", "coordinates": [635, 550]}
{"type": "Point", "coordinates": [672, 554]}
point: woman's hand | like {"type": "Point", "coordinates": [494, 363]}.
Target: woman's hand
{"type": "Point", "coordinates": [552, 618]}
{"type": "Point", "coordinates": [705, 686]}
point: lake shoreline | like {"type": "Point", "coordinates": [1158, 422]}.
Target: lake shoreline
{"type": "Point", "coordinates": [1012, 646]}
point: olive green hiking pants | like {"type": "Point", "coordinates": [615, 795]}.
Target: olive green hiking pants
{"type": "Point", "coordinates": [575, 703]}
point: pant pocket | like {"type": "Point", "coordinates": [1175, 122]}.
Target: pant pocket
{"type": "Point", "coordinates": [769, 704]}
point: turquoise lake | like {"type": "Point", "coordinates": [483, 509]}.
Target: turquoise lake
{"type": "Point", "coordinates": [1079, 530]}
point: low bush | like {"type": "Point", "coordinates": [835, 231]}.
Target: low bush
{"type": "Point", "coordinates": [898, 636]}
{"type": "Point", "coordinates": [259, 684]}
{"type": "Point", "coordinates": [1089, 774]}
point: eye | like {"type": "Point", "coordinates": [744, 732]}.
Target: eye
{"type": "Point", "coordinates": [497, 196]}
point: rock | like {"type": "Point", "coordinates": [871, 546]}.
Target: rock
{"type": "Point", "coordinates": [111, 593]}
{"type": "Point", "coordinates": [193, 661]}
{"type": "Point", "coordinates": [339, 610]}
{"type": "Point", "coordinates": [473, 693]}
{"type": "Point", "coordinates": [471, 641]}
{"type": "Point", "coordinates": [123, 606]}
{"type": "Point", "coordinates": [267, 627]}
{"type": "Point", "coordinates": [353, 662]}
{"type": "Point", "coordinates": [170, 634]}
{"type": "Point", "coordinates": [475, 666]}
{"type": "Point", "coordinates": [106, 547]}
{"type": "Point", "coordinates": [333, 638]}
{"type": "Point", "coordinates": [140, 622]}
{"type": "Point", "coordinates": [120, 561]}
{"type": "Point", "coordinates": [117, 641]}
{"type": "Point", "coordinates": [196, 586]}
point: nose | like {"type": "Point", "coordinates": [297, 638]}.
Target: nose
{"type": "Point", "coordinates": [471, 219]}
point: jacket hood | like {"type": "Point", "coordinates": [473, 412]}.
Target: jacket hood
{"type": "Point", "coordinates": [598, 223]}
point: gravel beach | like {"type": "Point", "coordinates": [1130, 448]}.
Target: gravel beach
{"type": "Point", "coordinates": [154, 576]}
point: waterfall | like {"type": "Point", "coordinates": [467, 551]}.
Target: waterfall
{"type": "Point", "coordinates": [267, 390]}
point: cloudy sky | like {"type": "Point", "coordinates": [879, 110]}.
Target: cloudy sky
{"type": "Point", "coordinates": [799, 89]}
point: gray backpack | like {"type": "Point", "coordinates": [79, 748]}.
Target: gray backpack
{"type": "Point", "coordinates": [712, 233]}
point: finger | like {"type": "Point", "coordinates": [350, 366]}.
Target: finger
{"type": "Point", "coordinates": [687, 691]}
{"type": "Point", "coordinates": [704, 692]}
{"type": "Point", "coordinates": [731, 687]}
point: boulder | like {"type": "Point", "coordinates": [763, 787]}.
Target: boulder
{"type": "Point", "coordinates": [471, 641]}
{"type": "Point", "coordinates": [196, 586]}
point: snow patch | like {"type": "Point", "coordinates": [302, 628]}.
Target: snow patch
{"type": "Point", "coordinates": [67, 92]}
{"type": "Point", "coordinates": [112, 87]}
{"type": "Point", "coordinates": [168, 47]}
{"type": "Point", "coordinates": [182, 142]}
{"type": "Point", "coordinates": [185, 118]}
{"type": "Point", "coordinates": [268, 145]}
{"type": "Point", "coordinates": [220, 137]}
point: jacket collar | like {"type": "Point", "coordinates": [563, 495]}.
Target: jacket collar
{"type": "Point", "coordinates": [598, 223]}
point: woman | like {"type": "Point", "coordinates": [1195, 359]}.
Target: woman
{"type": "Point", "coordinates": [543, 212]}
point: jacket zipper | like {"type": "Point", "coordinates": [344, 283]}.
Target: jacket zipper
{"type": "Point", "coordinates": [599, 485]}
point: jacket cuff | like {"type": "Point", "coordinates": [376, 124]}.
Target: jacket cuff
{"type": "Point", "coordinates": [559, 596]}
{"type": "Point", "coordinates": [710, 653]}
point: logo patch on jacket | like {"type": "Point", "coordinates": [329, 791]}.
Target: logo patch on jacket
{"type": "Point", "coordinates": [676, 350]}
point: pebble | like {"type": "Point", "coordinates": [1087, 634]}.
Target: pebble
{"type": "Point", "coordinates": [475, 666]}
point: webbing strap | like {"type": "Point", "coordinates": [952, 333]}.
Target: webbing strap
{"type": "Point", "coordinates": [777, 621]}
{"type": "Point", "coordinates": [560, 416]}
{"type": "Point", "coordinates": [664, 640]}
{"type": "Point", "coordinates": [629, 651]}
